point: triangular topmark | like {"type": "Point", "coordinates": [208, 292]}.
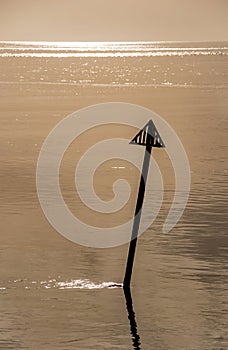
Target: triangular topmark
{"type": "Point", "coordinates": [148, 136]}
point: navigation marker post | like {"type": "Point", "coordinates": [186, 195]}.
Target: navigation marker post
{"type": "Point", "coordinates": [149, 137]}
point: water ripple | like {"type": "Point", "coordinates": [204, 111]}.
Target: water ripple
{"type": "Point", "coordinates": [57, 284]}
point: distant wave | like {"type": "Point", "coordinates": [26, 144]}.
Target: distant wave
{"type": "Point", "coordinates": [118, 85]}
{"type": "Point", "coordinates": [15, 53]}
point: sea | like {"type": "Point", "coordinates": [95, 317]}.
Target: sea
{"type": "Point", "coordinates": [56, 294]}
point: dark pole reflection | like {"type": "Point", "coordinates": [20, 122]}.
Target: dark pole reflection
{"type": "Point", "coordinates": [131, 316]}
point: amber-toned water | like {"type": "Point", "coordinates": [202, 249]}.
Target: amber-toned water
{"type": "Point", "coordinates": [55, 294]}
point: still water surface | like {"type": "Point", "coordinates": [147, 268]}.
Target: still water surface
{"type": "Point", "coordinates": [57, 295]}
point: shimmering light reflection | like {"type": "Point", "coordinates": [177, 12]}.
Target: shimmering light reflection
{"type": "Point", "coordinates": [103, 49]}
{"type": "Point", "coordinates": [72, 66]}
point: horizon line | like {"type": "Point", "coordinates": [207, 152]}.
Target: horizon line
{"type": "Point", "coordinates": [112, 42]}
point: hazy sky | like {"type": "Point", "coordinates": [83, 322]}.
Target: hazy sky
{"type": "Point", "coordinates": [113, 20]}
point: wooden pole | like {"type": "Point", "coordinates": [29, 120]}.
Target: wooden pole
{"type": "Point", "coordinates": [137, 217]}
{"type": "Point", "coordinates": [132, 319]}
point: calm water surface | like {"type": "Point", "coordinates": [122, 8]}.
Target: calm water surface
{"type": "Point", "coordinates": [57, 295]}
